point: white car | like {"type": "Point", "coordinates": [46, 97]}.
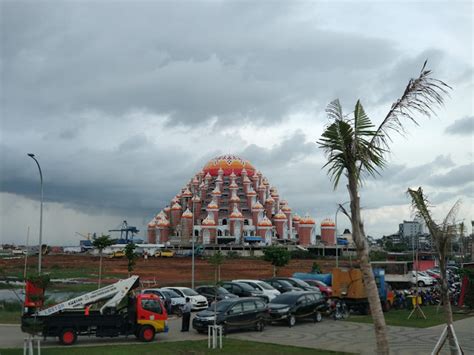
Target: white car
{"type": "Point", "coordinates": [198, 302]}
{"type": "Point", "coordinates": [423, 279]}
{"type": "Point", "coordinates": [267, 289]}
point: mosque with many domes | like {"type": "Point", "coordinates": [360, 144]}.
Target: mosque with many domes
{"type": "Point", "coordinates": [229, 201]}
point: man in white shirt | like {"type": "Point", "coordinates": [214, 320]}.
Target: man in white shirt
{"type": "Point", "coordinates": [186, 309]}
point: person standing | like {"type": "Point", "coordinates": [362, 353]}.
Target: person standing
{"type": "Point", "coordinates": [186, 315]}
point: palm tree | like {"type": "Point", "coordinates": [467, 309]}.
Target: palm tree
{"type": "Point", "coordinates": [131, 256]}
{"type": "Point", "coordinates": [356, 148]}
{"type": "Point", "coordinates": [442, 234]}
{"type": "Point", "coordinates": [101, 243]}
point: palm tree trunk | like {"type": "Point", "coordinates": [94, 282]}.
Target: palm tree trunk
{"type": "Point", "coordinates": [100, 269]}
{"type": "Point", "coordinates": [368, 276]}
{"type": "Point", "coordinates": [446, 302]}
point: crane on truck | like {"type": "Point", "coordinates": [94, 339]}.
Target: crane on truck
{"type": "Point", "coordinates": [118, 312]}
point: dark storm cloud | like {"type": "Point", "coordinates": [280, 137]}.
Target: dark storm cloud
{"type": "Point", "coordinates": [462, 127]}
{"type": "Point", "coordinates": [456, 177]}
{"type": "Point", "coordinates": [192, 61]}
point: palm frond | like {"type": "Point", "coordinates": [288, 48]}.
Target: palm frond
{"type": "Point", "coordinates": [334, 110]}
{"type": "Point", "coordinates": [449, 220]}
{"type": "Point", "coordinates": [421, 96]}
{"type": "Point", "coordinates": [420, 205]}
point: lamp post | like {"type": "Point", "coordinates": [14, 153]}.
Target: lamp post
{"type": "Point", "coordinates": [335, 222]}
{"type": "Point", "coordinates": [192, 247]}
{"type": "Point", "coordinates": [32, 156]}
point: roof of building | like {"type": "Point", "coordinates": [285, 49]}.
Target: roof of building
{"type": "Point", "coordinates": [228, 164]}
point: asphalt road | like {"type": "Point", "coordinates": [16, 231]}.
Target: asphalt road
{"type": "Point", "coordinates": [329, 334]}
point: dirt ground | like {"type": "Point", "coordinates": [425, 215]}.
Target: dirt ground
{"type": "Point", "coordinates": [167, 271]}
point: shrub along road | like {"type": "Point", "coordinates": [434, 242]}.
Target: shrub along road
{"type": "Point", "coordinates": [331, 335]}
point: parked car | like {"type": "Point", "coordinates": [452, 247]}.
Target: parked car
{"type": "Point", "coordinates": [198, 302]}
{"type": "Point", "coordinates": [117, 254]}
{"type": "Point", "coordinates": [291, 306]}
{"type": "Point", "coordinates": [243, 290]}
{"type": "Point", "coordinates": [212, 293]}
{"type": "Point", "coordinates": [325, 289]}
{"type": "Point", "coordinates": [165, 253]}
{"type": "Point", "coordinates": [282, 285]}
{"type": "Point", "coordinates": [171, 299]}
{"type": "Point", "coordinates": [298, 283]}
{"type": "Point", "coordinates": [423, 279]}
{"type": "Point", "coordinates": [434, 274]}
{"type": "Point", "coordinates": [267, 290]}
{"type": "Point", "coordinates": [236, 313]}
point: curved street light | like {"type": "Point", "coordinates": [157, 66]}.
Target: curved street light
{"type": "Point", "coordinates": [32, 156]}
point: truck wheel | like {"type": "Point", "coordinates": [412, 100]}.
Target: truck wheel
{"type": "Point", "coordinates": [68, 336]}
{"type": "Point", "coordinates": [147, 333]}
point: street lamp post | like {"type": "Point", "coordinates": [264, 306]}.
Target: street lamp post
{"type": "Point", "coordinates": [192, 252]}
{"type": "Point", "coordinates": [32, 156]}
{"type": "Point", "coordinates": [335, 222]}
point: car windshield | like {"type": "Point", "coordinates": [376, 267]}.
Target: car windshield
{"type": "Point", "coordinates": [221, 306]}
{"type": "Point", "coordinates": [284, 283]}
{"type": "Point", "coordinates": [246, 287]}
{"type": "Point", "coordinates": [222, 291]}
{"type": "Point", "coordinates": [189, 292]}
{"type": "Point", "coordinates": [265, 286]}
{"type": "Point", "coordinates": [170, 293]}
{"type": "Point", "coordinates": [285, 298]}
{"type": "Point", "coordinates": [300, 283]}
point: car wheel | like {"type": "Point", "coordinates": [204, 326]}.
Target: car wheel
{"type": "Point", "coordinates": [291, 320]}
{"type": "Point", "coordinates": [318, 317]}
{"type": "Point", "coordinates": [421, 284]}
{"type": "Point", "coordinates": [260, 326]}
{"type": "Point", "coordinates": [68, 336]}
{"type": "Point", "coordinates": [147, 333]}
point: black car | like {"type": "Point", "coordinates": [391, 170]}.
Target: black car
{"type": "Point", "coordinates": [282, 285]}
{"type": "Point", "coordinates": [212, 293]}
{"type": "Point", "coordinates": [236, 313]}
{"type": "Point", "coordinates": [290, 306]}
{"type": "Point", "coordinates": [242, 289]}
{"type": "Point", "coordinates": [297, 283]}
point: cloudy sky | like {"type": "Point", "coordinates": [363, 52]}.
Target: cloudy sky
{"type": "Point", "coordinates": [122, 102]}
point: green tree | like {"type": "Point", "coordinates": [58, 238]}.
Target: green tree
{"type": "Point", "coordinates": [356, 148]}
{"type": "Point", "coordinates": [442, 234]}
{"type": "Point", "coordinates": [101, 243]}
{"type": "Point", "coordinates": [216, 260]}
{"type": "Point", "coordinates": [315, 268]}
{"type": "Point", "coordinates": [131, 256]}
{"type": "Point", "coordinates": [278, 256]}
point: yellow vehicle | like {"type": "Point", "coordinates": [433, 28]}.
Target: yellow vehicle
{"type": "Point", "coordinates": [117, 254]}
{"type": "Point", "coordinates": [165, 253]}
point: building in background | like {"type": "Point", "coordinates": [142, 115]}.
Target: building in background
{"type": "Point", "coordinates": [229, 201]}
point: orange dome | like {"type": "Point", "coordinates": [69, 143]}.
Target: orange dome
{"type": "Point", "coordinates": [265, 222]}
{"type": "Point", "coordinates": [228, 163]}
{"type": "Point", "coordinates": [187, 214]}
{"type": "Point", "coordinates": [167, 209]}
{"type": "Point", "coordinates": [235, 199]}
{"type": "Point", "coordinates": [236, 214]}
{"type": "Point", "coordinates": [327, 223]}
{"type": "Point", "coordinates": [269, 200]}
{"type": "Point", "coordinates": [279, 215]}
{"type": "Point", "coordinates": [286, 208]}
{"type": "Point", "coordinates": [307, 220]}
{"type": "Point", "coordinates": [233, 185]}
{"type": "Point", "coordinates": [163, 223]}
{"type": "Point", "coordinates": [151, 224]}
{"type": "Point", "coordinates": [212, 206]}
{"type": "Point", "coordinates": [187, 193]}
{"type": "Point", "coordinates": [257, 206]}
{"type": "Point", "coordinates": [208, 222]}
{"type": "Point", "coordinates": [196, 198]}
{"type": "Point", "coordinates": [296, 218]}
{"type": "Point", "coordinates": [176, 206]}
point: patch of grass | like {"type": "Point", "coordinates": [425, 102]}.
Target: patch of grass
{"type": "Point", "coordinates": [10, 317]}
{"type": "Point", "coordinates": [197, 347]}
{"type": "Point", "coordinates": [399, 317]}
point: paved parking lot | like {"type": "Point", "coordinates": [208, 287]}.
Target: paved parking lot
{"type": "Point", "coordinates": [329, 334]}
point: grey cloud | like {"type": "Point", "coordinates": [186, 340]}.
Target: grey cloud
{"type": "Point", "coordinates": [192, 64]}
{"type": "Point", "coordinates": [456, 177]}
{"type": "Point", "coordinates": [463, 127]}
